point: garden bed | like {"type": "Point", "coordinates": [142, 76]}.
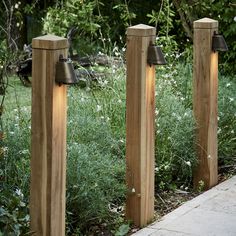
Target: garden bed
{"type": "Point", "coordinates": [96, 149]}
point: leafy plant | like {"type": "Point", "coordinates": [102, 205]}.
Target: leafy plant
{"type": "Point", "coordinates": [226, 120]}
{"type": "Point", "coordinates": [14, 216]}
{"type": "Point", "coordinates": [175, 155]}
{"type": "Point", "coordinates": [123, 230]}
{"type": "Point", "coordinates": [164, 22]}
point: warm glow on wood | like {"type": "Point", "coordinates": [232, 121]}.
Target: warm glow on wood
{"type": "Point", "coordinates": [48, 141]}
{"type": "Point", "coordinates": [140, 106]}
{"type": "Point", "coordinates": [205, 90]}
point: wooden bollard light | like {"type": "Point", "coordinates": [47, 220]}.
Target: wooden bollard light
{"type": "Point", "coordinates": [141, 55]}
{"type": "Point", "coordinates": [205, 92]}
{"type": "Point", "coordinates": [48, 135]}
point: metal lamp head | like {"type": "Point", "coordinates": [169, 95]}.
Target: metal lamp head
{"type": "Point", "coordinates": [218, 43]}
{"type": "Point", "coordinates": [65, 73]}
{"type": "Point", "coordinates": [155, 56]}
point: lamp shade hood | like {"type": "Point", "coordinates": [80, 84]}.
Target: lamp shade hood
{"type": "Point", "coordinates": [155, 56]}
{"type": "Point", "coordinates": [218, 43]}
{"type": "Point", "coordinates": [65, 73]}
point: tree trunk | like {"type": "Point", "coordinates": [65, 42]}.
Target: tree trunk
{"type": "Point", "coordinates": [185, 19]}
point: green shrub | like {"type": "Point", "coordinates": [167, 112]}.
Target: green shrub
{"type": "Point", "coordinates": [14, 162]}
{"type": "Point", "coordinates": [96, 145]}
{"type": "Point", "coordinates": [95, 184]}
{"type": "Point", "coordinates": [96, 148]}
{"type": "Point", "coordinates": [175, 155]}
{"type": "Point", "coordinates": [14, 212]}
{"type": "Point", "coordinates": [227, 120]}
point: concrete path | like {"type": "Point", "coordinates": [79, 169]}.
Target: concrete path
{"type": "Point", "coordinates": [212, 213]}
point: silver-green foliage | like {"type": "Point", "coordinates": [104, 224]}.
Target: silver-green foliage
{"type": "Point", "coordinates": [175, 155]}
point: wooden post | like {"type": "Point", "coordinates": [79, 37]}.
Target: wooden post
{"type": "Point", "coordinates": [205, 90]}
{"type": "Point", "coordinates": [140, 110]}
{"type": "Point", "coordinates": [48, 145]}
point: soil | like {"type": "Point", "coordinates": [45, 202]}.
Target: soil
{"type": "Point", "coordinates": [167, 201]}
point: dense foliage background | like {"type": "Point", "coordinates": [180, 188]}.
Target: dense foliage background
{"type": "Point", "coordinates": [102, 22]}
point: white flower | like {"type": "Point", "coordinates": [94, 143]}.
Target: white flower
{"type": "Point", "coordinates": [5, 149]}
{"type": "Point", "coordinates": [133, 190]}
{"type": "Point", "coordinates": [177, 55]}
{"type": "Point", "coordinates": [235, 18]}
{"type": "Point", "coordinates": [24, 108]}
{"type": "Point", "coordinates": [22, 204]}
{"type": "Point", "coordinates": [19, 193]}
{"type": "Point", "coordinates": [99, 108]}
{"type": "Point", "coordinates": [227, 85]}
{"type": "Point", "coordinates": [88, 89]}
{"type": "Point", "coordinates": [105, 82]}
{"type": "Point", "coordinates": [178, 118]}
{"type": "Point", "coordinates": [25, 151]}
{"type": "Point", "coordinates": [231, 99]}
{"type": "Point", "coordinates": [188, 163]}
{"type": "Point", "coordinates": [16, 5]}
{"type": "Point", "coordinates": [232, 132]}
{"type": "Point", "coordinates": [119, 101]}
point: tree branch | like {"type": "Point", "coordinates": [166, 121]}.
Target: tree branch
{"type": "Point", "coordinates": [186, 23]}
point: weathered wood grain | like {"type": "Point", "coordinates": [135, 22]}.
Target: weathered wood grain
{"type": "Point", "coordinates": [48, 139]}
{"type": "Point", "coordinates": [140, 107]}
{"type": "Point", "coordinates": [205, 92]}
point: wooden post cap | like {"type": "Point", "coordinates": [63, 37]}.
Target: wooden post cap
{"type": "Point", "coordinates": [50, 42]}
{"type": "Point", "coordinates": [205, 23]}
{"type": "Point", "coordinates": [141, 30]}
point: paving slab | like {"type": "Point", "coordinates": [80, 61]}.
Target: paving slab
{"type": "Point", "coordinates": [212, 213]}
